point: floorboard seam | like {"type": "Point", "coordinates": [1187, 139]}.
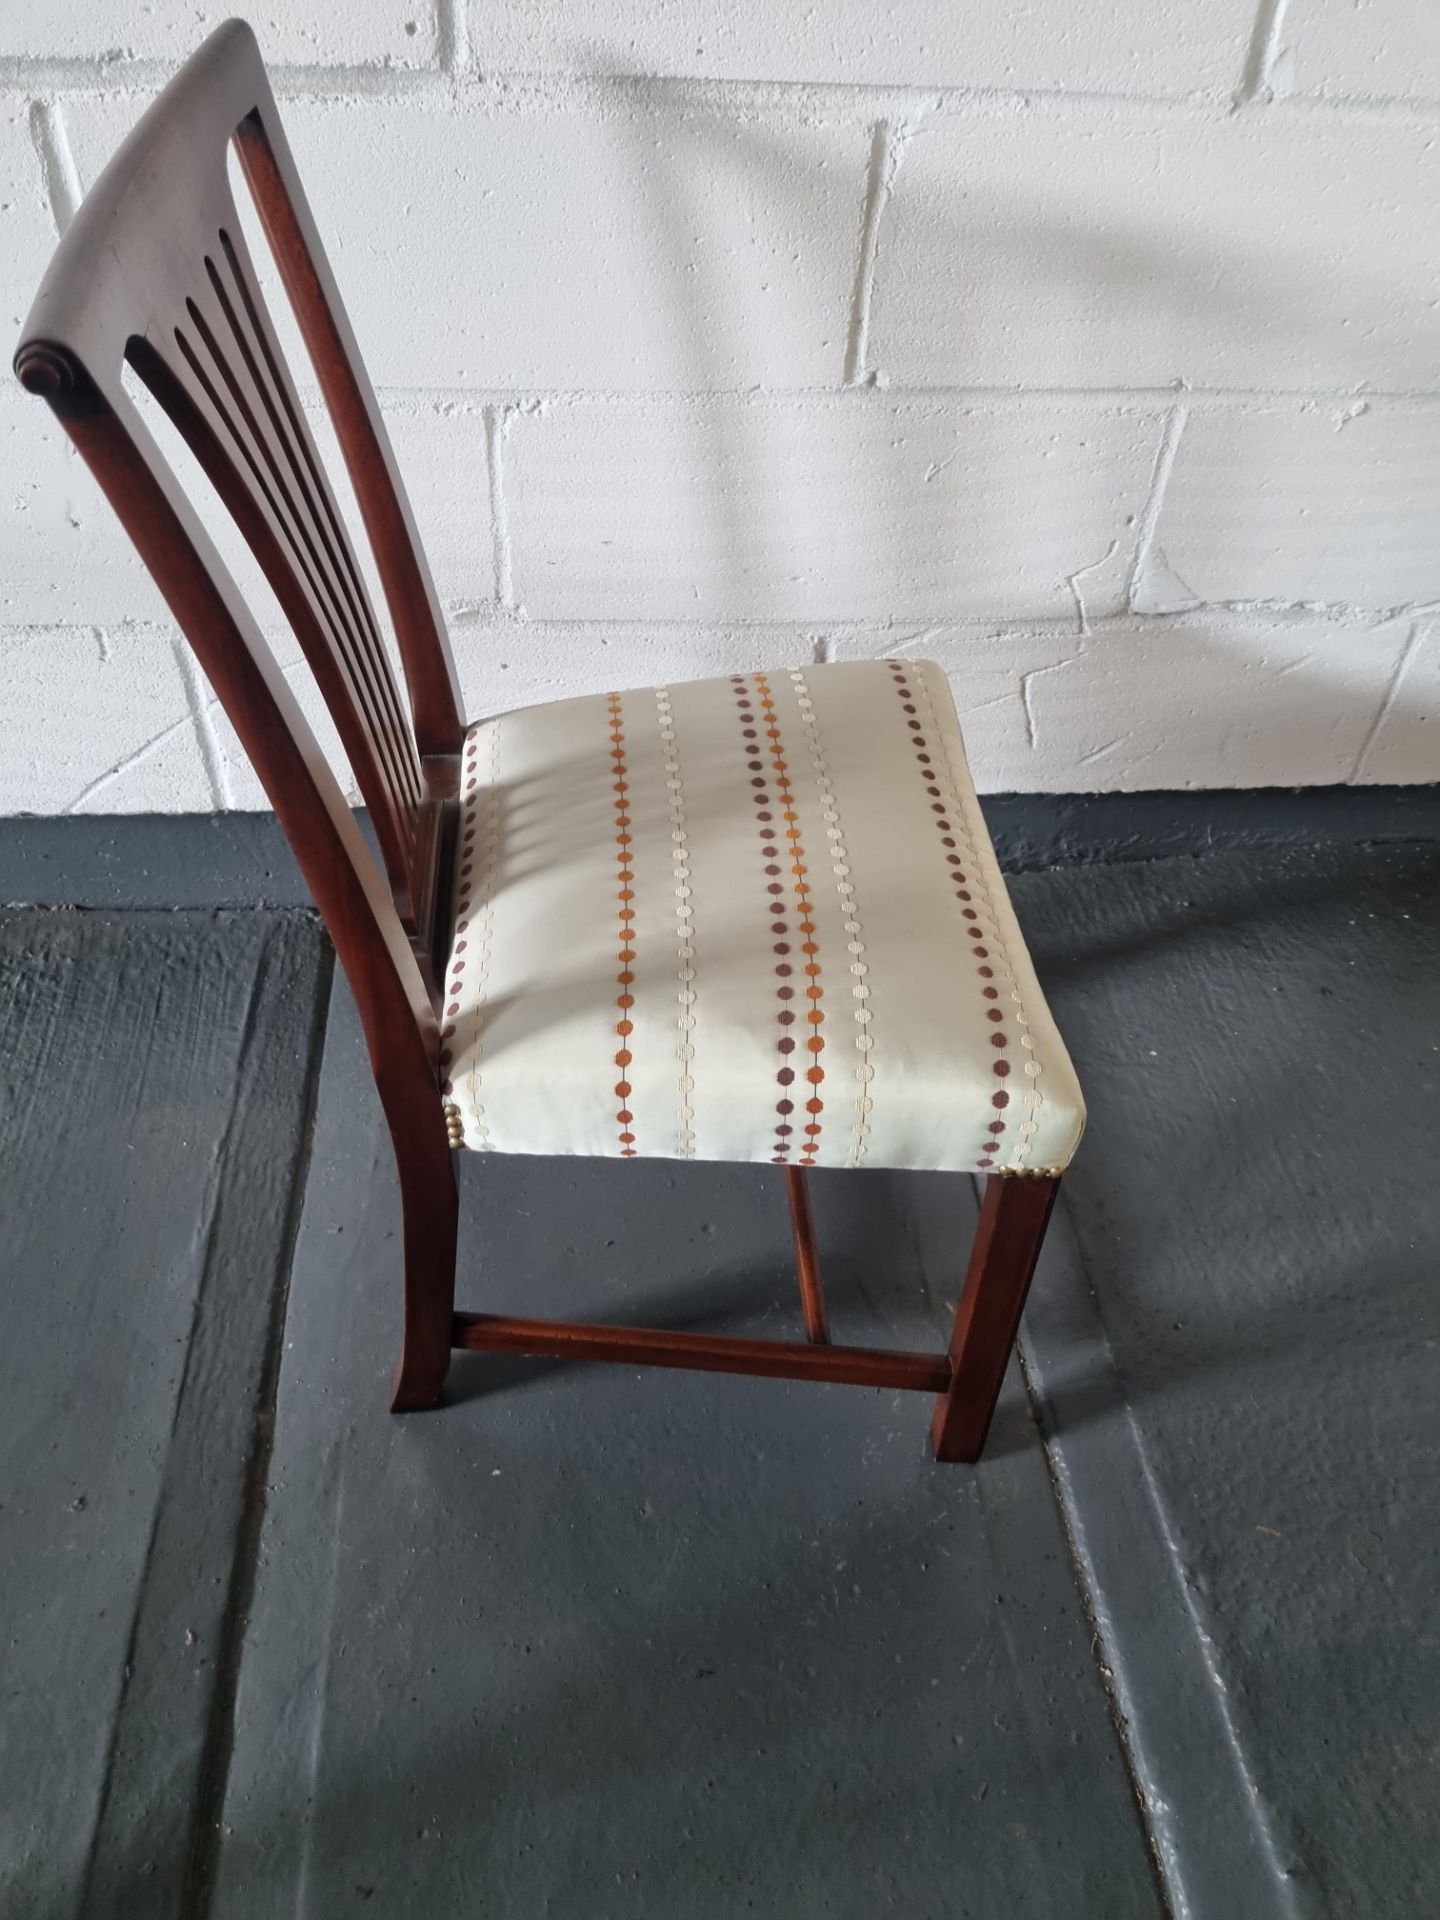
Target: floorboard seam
{"type": "Point", "coordinates": [1113, 1520]}
{"type": "Point", "coordinates": [117, 1726]}
{"type": "Point", "coordinates": [1100, 1653]}
{"type": "Point", "coordinates": [214, 1772]}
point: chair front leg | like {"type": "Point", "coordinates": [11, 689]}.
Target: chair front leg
{"type": "Point", "coordinates": [430, 1207]}
{"type": "Point", "coordinates": [1013, 1217]}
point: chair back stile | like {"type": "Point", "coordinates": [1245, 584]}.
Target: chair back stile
{"type": "Point", "coordinates": [154, 273]}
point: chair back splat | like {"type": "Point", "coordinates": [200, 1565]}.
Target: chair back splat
{"type": "Point", "coordinates": [154, 272]}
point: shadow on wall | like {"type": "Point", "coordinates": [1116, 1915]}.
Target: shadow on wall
{"type": "Point", "coordinates": [1191, 701]}
{"type": "Point", "coordinates": [1244, 693]}
{"type": "Point", "coordinates": [1001, 532]}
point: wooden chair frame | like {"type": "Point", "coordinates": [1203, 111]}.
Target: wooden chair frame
{"type": "Point", "coordinates": [154, 273]}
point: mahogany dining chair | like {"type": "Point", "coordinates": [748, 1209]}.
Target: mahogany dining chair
{"type": "Point", "coordinates": [756, 918]}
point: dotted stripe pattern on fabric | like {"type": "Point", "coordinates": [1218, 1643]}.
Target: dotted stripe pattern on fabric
{"type": "Point", "coordinates": [625, 928]}
{"type": "Point", "coordinates": [1031, 1095]}
{"type": "Point", "coordinates": [929, 758]}
{"type": "Point", "coordinates": [814, 1073]}
{"type": "Point", "coordinates": [845, 888]}
{"type": "Point", "coordinates": [619, 984]}
{"type": "Point", "coordinates": [762, 801]}
{"type": "Point", "coordinates": [479, 861]}
{"type": "Point", "coordinates": [684, 925]}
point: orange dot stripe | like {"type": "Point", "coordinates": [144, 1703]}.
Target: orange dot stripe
{"type": "Point", "coordinates": [753, 724]}
{"type": "Point", "coordinates": [625, 928]}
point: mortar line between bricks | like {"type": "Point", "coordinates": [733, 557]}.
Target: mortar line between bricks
{"type": "Point", "coordinates": [98, 782]}
{"type": "Point", "coordinates": [1170, 437]}
{"type": "Point", "coordinates": [1387, 702]}
{"type": "Point", "coordinates": [452, 36]}
{"type": "Point", "coordinates": [485, 616]}
{"type": "Point", "coordinates": [519, 88]}
{"type": "Point", "coordinates": [1256, 81]}
{"type": "Point", "coordinates": [497, 420]}
{"type": "Point", "coordinates": [845, 627]}
{"type": "Point", "coordinates": [857, 338]}
{"type": "Point", "coordinates": [418, 401]}
{"type": "Point", "coordinates": [212, 752]}
{"type": "Point", "coordinates": [869, 99]}
{"type": "Point", "coordinates": [481, 620]}
{"type": "Point", "coordinates": [63, 191]}
{"type": "Point", "coordinates": [1342, 616]}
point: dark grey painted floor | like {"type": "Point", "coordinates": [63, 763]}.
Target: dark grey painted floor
{"type": "Point", "coordinates": [590, 1644]}
{"type": "Point", "coordinates": [154, 1097]}
{"type": "Point", "coordinates": [1258, 1214]}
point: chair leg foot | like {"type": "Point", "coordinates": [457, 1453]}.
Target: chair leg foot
{"type": "Point", "coordinates": [952, 1450]}
{"type": "Point", "coordinates": [417, 1383]}
{"type": "Point", "coordinates": [1013, 1217]}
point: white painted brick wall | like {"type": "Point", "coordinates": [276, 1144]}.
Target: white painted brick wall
{"type": "Point", "coordinates": [1138, 247]}
{"type": "Point", "coordinates": [26, 229]}
{"type": "Point", "coordinates": [1406, 731]}
{"type": "Point", "coordinates": [866, 507]}
{"type": "Point", "coordinates": [1184, 702]}
{"type": "Point", "coordinates": [1091, 346]}
{"type": "Point", "coordinates": [1104, 45]}
{"type": "Point", "coordinates": [293, 32]}
{"type": "Point", "coordinates": [130, 744]}
{"type": "Point", "coordinates": [1362, 49]}
{"type": "Point", "coordinates": [610, 244]}
{"type": "Point", "coordinates": [1334, 504]}
{"type": "Point", "coordinates": [62, 556]}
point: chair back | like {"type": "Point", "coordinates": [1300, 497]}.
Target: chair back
{"type": "Point", "coordinates": [154, 273]}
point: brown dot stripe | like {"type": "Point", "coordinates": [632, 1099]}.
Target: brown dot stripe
{"type": "Point", "coordinates": [625, 929]}
{"type": "Point", "coordinates": [928, 763]}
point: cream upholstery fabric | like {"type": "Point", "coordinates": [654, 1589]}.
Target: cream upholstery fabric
{"type": "Point", "coordinates": [745, 919]}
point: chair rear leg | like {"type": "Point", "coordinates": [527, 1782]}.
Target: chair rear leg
{"type": "Point", "coordinates": [1013, 1217]}
{"type": "Point", "coordinates": [430, 1204]}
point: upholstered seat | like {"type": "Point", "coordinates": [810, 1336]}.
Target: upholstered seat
{"type": "Point", "coordinates": [756, 918]}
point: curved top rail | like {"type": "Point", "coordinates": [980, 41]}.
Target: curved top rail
{"type": "Point", "coordinates": [128, 262]}
{"type": "Point", "coordinates": [163, 192]}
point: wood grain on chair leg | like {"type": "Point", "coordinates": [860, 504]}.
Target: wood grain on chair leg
{"type": "Point", "coordinates": [1013, 1218]}
{"type": "Point", "coordinates": [807, 1260]}
{"type": "Point", "coordinates": [431, 1208]}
